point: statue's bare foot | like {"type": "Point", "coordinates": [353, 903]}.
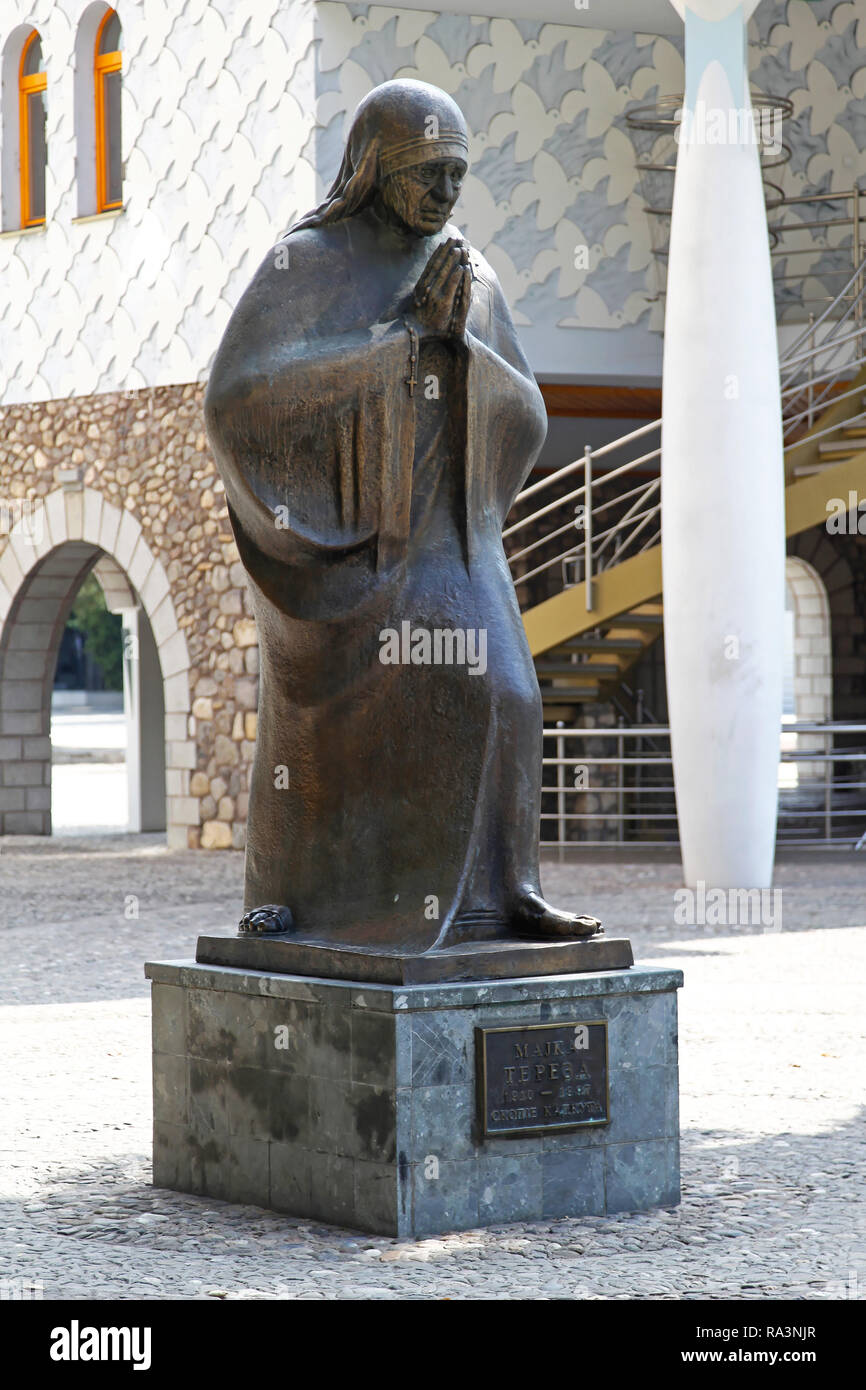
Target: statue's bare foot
{"type": "Point", "coordinates": [270, 920]}
{"type": "Point", "coordinates": [534, 917]}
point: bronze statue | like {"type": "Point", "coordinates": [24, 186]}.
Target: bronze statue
{"type": "Point", "coordinates": [373, 417]}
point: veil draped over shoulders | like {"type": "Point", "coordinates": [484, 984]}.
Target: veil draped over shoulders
{"type": "Point", "coordinates": [410, 818]}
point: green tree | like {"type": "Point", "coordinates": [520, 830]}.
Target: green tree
{"type": "Point", "coordinates": [101, 630]}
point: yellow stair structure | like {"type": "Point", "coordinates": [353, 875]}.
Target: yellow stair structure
{"type": "Point", "coordinates": [587, 635]}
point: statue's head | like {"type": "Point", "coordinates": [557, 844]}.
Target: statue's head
{"type": "Point", "coordinates": [420, 197]}
{"type": "Point", "coordinates": [406, 154]}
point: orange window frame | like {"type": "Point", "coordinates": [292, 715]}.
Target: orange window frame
{"type": "Point", "coordinates": [27, 86]}
{"type": "Point", "coordinates": [103, 64]}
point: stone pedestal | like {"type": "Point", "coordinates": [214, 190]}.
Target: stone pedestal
{"type": "Point", "coordinates": [361, 1105]}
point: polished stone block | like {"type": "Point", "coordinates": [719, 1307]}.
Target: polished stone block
{"type": "Point", "coordinates": [358, 1105]}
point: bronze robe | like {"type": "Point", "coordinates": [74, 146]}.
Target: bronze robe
{"type": "Point", "coordinates": [411, 813]}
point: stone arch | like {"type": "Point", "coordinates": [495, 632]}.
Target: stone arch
{"type": "Point", "coordinates": [117, 591]}
{"type": "Point", "coordinates": [51, 547]}
{"type": "Point", "coordinates": [811, 675]}
{"type": "Point", "coordinates": [836, 561]}
{"type": "Point", "coordinates": [813, 654]}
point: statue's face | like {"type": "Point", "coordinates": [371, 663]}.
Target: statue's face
{"type": "Point", "coordinates": [420, 198]}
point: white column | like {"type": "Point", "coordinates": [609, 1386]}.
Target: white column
{"type": "Point", "coordinates": [723, 504]}
{"type": "Point", "coordinates": [145, 723]}
{"type": "Point", "coordinates": [132, 710]}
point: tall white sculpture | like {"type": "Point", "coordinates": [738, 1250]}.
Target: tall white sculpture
{"type": "Point", "coordinates": [723, 503]}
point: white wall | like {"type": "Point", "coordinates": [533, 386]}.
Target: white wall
{"type": "Point", "coordinates": [234, 116]}
{"type": "Point", "coordinates": [234, 113]}
{"type": "Point", "coordinates": [218, 106]}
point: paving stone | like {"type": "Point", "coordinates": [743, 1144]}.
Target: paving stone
{"type": "Point", "coordinates": [773, 1155]}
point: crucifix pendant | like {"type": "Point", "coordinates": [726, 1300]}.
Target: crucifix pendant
{"type": "Point", "coordinates": [412, 379]}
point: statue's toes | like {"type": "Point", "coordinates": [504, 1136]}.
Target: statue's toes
{"type": "Point", "coordinates": [587, 926]}
{"type": "Point", "coordinates": [271, 920]}
{"type": "Point", "coordinates": [536, 918]}
{"type": "Point", "coordinates": [565, 924]}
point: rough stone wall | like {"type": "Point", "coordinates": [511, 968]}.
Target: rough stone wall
{"type": "Point", "coordinates": [146, 453]}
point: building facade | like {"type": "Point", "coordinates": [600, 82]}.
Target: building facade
{"type": "Point", "coordinates": [150, 157]}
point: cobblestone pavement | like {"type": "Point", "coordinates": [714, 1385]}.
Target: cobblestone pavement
{"type": "Point", "coordinates": [773, 1142]}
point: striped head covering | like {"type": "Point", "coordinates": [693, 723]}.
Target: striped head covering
{"type": "Point", "coordinates": [398, 124]}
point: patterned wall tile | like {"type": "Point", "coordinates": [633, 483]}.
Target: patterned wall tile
{"type": "Point", "coordinates": [234, 116]}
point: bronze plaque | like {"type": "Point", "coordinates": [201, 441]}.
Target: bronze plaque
{"type": "Point", "coordinates": [543, 1076]}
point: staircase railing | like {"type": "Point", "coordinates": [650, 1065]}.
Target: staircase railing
{"type": "Point", "coordinates": [572, 525]}
{"type": "Point", "coordinates": [593, 798]}
{"type": "Point", "coordinates": [818, 365]}
{"type": "Point", "coordinates": [605, 531]}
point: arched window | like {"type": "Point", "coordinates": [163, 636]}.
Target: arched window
{"type": "Point", "coordinates": [32, 83]}
{"type": "Point", "coordinates": [106, 87]}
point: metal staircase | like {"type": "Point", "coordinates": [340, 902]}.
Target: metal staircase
{"type": "Point", "coordinates": [584, 541]}
{"type": "Point", "coordinates": [586, 668]}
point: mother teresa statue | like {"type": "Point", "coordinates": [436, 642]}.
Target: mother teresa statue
{"type": "Point", "coordinates": [373, 417]}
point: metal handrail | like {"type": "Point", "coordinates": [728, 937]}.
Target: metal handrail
{"type": "Point", "coordinates": [569, 554]}
{"type": "Point", "coordinates": [659, 730]}
{"type": "Point", "coordinates": [824, 345]}
{"type": "Point", "coordinates": [571, 525]}
{"type": "Point", "coordinates": [647, 517]}
{"type": "Point", "coordinates": [606, 477]}
{"type": "Point", "coordinates": [596, 453]}
{"type": "Point", "coordinates": [810, 331]}
{"type": "Point", "coordinates": [815, 402]}
{"type": "Point", "coordinates": [585, 547]}
{"type": "Point", "coordinates": [830, 378]}
{"type": "Point", "coordinates": [820, 789]}
{"type": "Point", "coordinates": [806, 375]}
{"type": "Point", "coordinates": [632, 515]}
{"type": "Point", "coordinates": [791, 418]}
{"type": "Point", "coordinates": [551, 506]}
{"type": "Point", "coordinates": [578, 463]}
{"type": "Point", "coordinates": [831, 429]}
{"type": "Point", "coordinates": [581, 548]}
{"type": "Point", "coordinates": [787, 358]}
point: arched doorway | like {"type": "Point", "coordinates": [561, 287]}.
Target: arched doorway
{"type": "Point", "coordinates": [808, 668]}
{"type": "Point", "coordinates": [50, 550]}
